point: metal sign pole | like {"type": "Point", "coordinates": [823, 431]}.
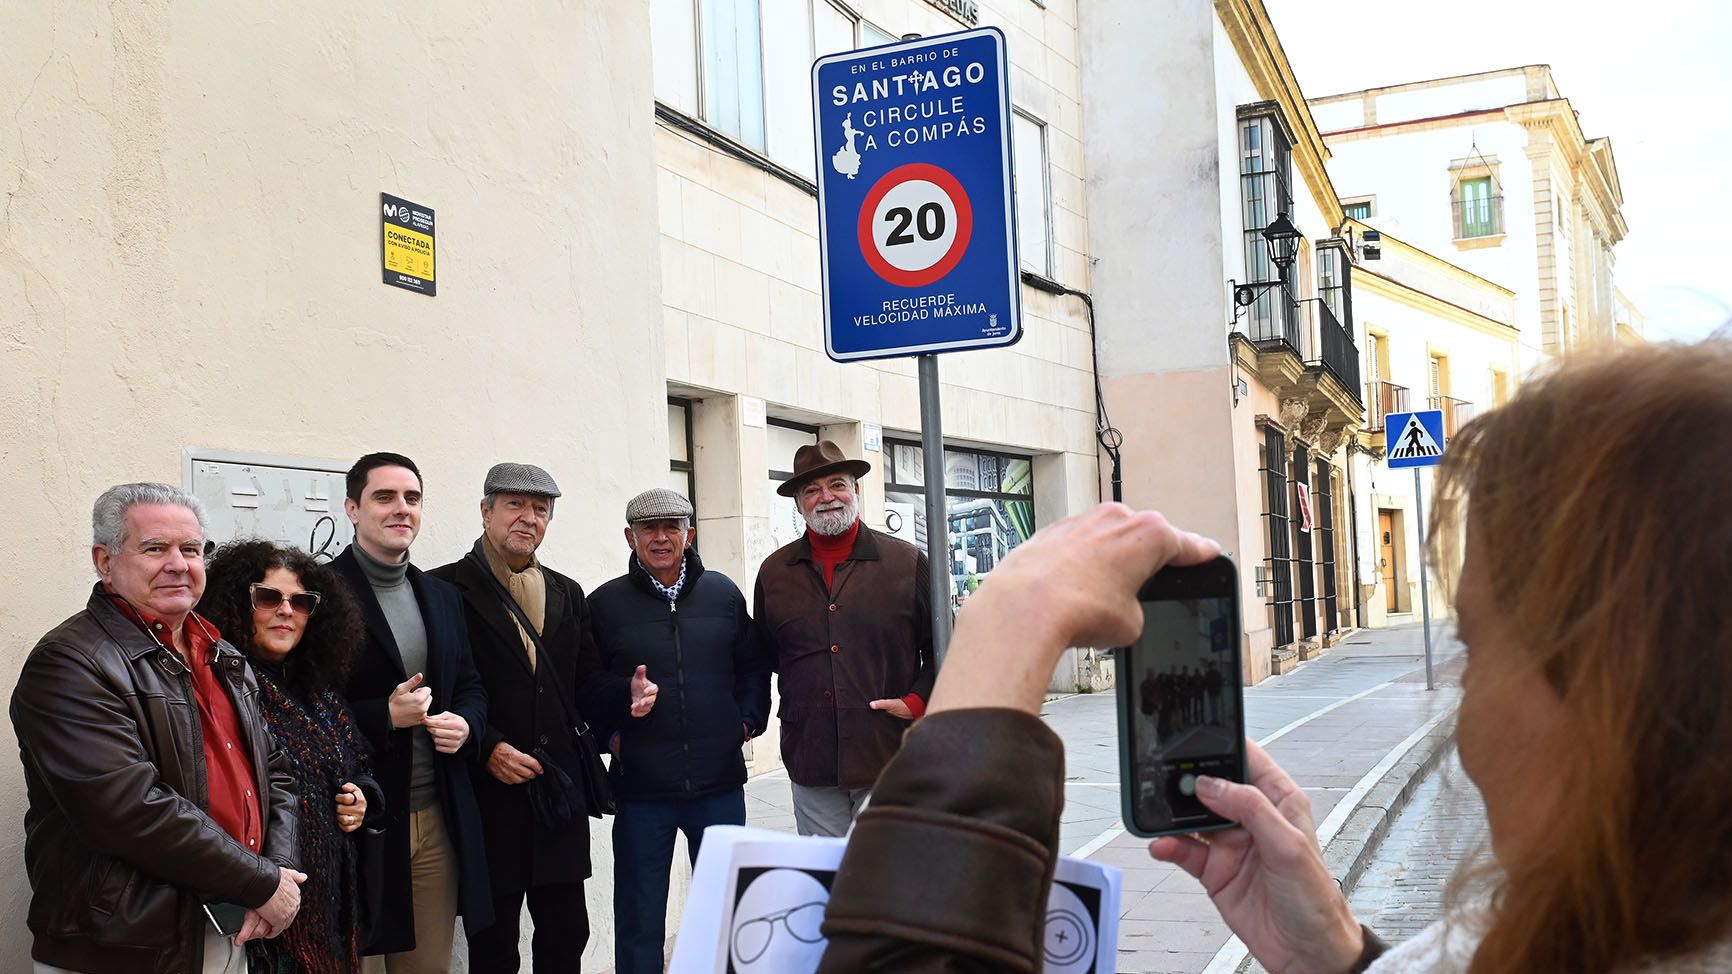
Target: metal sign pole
{"type": "Point", "coordinates": [1424, 593]}
{"type": "Point", "coordinates": [937, 517]}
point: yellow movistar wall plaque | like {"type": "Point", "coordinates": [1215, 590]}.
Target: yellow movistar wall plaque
{"type": "Point", "coordinates": [407, 244]}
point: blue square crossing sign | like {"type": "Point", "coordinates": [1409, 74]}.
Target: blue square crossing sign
{"type": "Point", "coordinates": [1414, 439]}
{"type": "Point", "coordinates": [917, 227]}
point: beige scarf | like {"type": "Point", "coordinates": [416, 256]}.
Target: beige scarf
{"type": "Point", "coordinates": [528, 587]}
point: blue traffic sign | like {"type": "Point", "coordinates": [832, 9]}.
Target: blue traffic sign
{"type": "Point", "coordinates": [1414, 439]}
{"type": "Point", "coordinates": [916, 222]}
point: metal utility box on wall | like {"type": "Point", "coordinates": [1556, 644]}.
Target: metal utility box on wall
{"type": "Point", "coordinates": [289, 500]}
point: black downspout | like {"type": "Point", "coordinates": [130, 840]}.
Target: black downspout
{"type": "Point", "coordinates": [1109, 436]}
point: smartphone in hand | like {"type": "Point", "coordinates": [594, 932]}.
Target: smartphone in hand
{"type": "Point", "coordinates": [1181, 700]}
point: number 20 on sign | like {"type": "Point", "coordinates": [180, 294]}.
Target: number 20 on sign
{"type": "Point", "coordinates": [917, 230]}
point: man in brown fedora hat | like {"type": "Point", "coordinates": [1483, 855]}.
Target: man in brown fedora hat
{"type": "Point", "coordinates": [846, 613]}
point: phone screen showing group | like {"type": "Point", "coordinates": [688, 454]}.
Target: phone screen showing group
{"type": "Point", "coordinates": [1186, 718]}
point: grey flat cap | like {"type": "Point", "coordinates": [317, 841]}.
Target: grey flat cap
{"type": "Point", "coordinates": [655, 504]}
{"type": "Point", "coordinates": [519, 478]}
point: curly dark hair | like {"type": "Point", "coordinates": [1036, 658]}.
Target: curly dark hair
{"type": "Point", "coordinates": [334, 631]}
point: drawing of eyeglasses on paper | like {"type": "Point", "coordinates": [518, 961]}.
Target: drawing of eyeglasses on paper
{"type": "Point", "coordinates": [753, 937]}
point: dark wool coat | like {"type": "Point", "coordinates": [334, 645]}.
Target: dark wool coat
{"type": "Point", "coordinates": [523, 710]}
{"type": "Point", "coordinates": [456, 688]}
{"type": "Point", "coordinates": [866, 637]}
{"type": "Point", "coordinates": [706, 657]}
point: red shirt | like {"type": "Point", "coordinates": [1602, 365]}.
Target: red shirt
{"type": "Point", "coordinates": [827, 553]}
{"type": "Point", "coordinates": [234, 802]}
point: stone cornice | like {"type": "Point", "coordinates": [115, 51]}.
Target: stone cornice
{"type": "Point", "coordinates": [1253, 35]}
{"type": "Point", "coordinates": [1387, 287]}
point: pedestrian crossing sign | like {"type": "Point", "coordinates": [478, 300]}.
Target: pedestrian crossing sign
{"type": "Point", "coordinates": [1414, 439]}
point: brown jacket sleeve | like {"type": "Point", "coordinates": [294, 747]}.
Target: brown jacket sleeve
{"type": "Point", "coordinates": [949, 867]}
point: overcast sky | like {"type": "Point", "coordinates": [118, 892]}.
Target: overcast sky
{"type": "Point", "coordinates": [1654, 76]}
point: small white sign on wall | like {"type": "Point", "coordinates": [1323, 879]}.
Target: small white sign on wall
{"type": "Point", "coordinates": [751, 412]}
{"type": "Point", "coordinates": [872, 436]}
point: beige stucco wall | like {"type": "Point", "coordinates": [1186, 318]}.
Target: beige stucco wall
{"type": "Point", "coordinates": [189, 256]}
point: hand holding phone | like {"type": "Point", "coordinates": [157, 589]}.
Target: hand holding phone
{"type": "Point", "coordinates": [1181, 705]}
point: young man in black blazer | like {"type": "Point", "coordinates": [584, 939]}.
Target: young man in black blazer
{"type": "Point", "coordinates": [416, 695]}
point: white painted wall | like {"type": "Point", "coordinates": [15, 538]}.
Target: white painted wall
{"type": "Point", "coordinates": [1410, 175]}
{"type": "Point", "coordinates": [190, 256]}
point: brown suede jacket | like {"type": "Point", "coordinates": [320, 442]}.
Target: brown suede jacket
{"type": "Point", "coordinates": [866, 637]}
{"type": "Point", "coordinates": [948, 869]}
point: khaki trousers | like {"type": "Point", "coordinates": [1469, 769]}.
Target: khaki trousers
{"type": "Point", "coordinates": [433, 881]}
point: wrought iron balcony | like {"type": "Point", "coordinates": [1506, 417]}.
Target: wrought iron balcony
{"type": "Point", "coordinates": [1332, 345]}
{"type": "Point", "coordinates": [1456, 412]}
{"type": "Point", "coordinates": [1273, 320]}
{"type": "Point", "coordinates": [1482, 217]}
{"type": "Point", "coordinates": [1384, 397]}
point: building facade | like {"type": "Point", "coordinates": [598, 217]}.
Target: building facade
{"type": "Point", "coordinates": [748, 380]}
{"type": "Point", "coordinates": [1234, 415]}
{"type": "Point", "coordinates": [1490, 171]}
{"type": "Point", "coordinates": [1435, 337]}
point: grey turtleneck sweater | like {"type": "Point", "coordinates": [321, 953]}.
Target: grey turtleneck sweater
{"type": "Point", "coordinates": [403, 614]}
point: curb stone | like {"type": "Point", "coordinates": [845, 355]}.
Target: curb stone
{"type": "Point", "coordinates": [1348, 854]}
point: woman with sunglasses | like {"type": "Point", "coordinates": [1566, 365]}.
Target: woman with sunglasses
{"type": "Point", "coordinates": [300, 631]}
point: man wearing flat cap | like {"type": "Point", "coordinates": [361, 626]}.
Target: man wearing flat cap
{"type": "Point", "coordinates": [846, 612]}
{"type": "Point", "coordinates": [678, 767]}
{"type": "Point", "coordinates": [530, 632]}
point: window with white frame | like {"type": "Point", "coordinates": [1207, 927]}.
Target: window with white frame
{"type": "Point", "coordinates": [741, 66]}
{"type": "Point", "coordinates": [1033, 199]}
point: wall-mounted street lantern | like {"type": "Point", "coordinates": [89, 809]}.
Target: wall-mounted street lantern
{"type": "Point", "coordinates": [1282, 239]}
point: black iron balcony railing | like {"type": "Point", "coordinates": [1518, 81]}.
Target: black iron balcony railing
{"type": "Point", "coordinates": [1478, 217]}
{"type": "Point", "coordinates": [1456, 412]}
{"type": "Point", "coordinates": [1333, 345]}
{"type": "Point", "coordinates": [1384, 397]}
{"type": "Point", "coordinates": [1273, 319]}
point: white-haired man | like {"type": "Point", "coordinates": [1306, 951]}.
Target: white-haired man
{"type": "Point", "coordinates": [160, 830]}
{"type": "Point", "coordinates": [846, 613]}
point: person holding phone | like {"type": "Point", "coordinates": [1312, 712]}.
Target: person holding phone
{"type": "Point", "coordinates": [300, 631]}
{"type": "Point", "coordinates": [949, 866]}
{"type": "Point", "coordinates": [1593, 716]}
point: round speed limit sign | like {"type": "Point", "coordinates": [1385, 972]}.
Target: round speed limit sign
{"type": "Point", "coordinates": [915, 224]}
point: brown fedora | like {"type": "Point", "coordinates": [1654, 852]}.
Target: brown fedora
{"type": "Point", "coordinates": [817, 459]}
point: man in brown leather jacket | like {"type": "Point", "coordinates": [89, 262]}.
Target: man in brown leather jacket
{"type": "Point", "coordinates": [158, 802]}
{"type": "Point", "coordinates": [845, 612]}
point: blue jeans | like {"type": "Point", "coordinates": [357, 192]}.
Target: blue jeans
{"type": "Point", "coordinates": [643, 853]}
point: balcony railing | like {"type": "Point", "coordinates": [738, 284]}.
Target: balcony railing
{"type": "Point", "coordinates": [1333, 344]}
{"type": "Point", "coordinates": [1274, 319]}
{"type": "Point", "coordinates": [1456, 412]}
{"type": "Point", "coordinates": [1384, 397]}
{"type": "Point", "coordinates": [1482, 217]}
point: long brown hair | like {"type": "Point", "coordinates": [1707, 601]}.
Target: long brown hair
{"type": "Point", "coordinates": [1600, 501]}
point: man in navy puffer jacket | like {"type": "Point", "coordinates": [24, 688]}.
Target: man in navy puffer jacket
{"type": "Point", "coordinates": [679, 766]}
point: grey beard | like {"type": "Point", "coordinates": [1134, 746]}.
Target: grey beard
{"type": "Point", "coordinates": [831, 523]}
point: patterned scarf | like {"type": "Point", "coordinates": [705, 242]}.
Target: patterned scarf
{"type": "Point", "coordinates": [671, 593]}
{"type": "Point", "coordinates": [317, 734]}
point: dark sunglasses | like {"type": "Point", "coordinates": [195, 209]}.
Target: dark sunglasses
{"type": "Point", "coordinates": [265, 597]}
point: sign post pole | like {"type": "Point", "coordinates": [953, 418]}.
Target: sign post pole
{"type": "Point", "coordinates": [1417, 440]}
{"type": "Point", "coordinates": [937, 517]}
{"type": "Point", "coordinates": [1424, 593]}
{"type": "Point", "coordinates": [916, 226]}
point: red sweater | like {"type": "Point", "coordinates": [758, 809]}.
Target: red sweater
{"type": "Point", "coordinates": [827, 553]}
